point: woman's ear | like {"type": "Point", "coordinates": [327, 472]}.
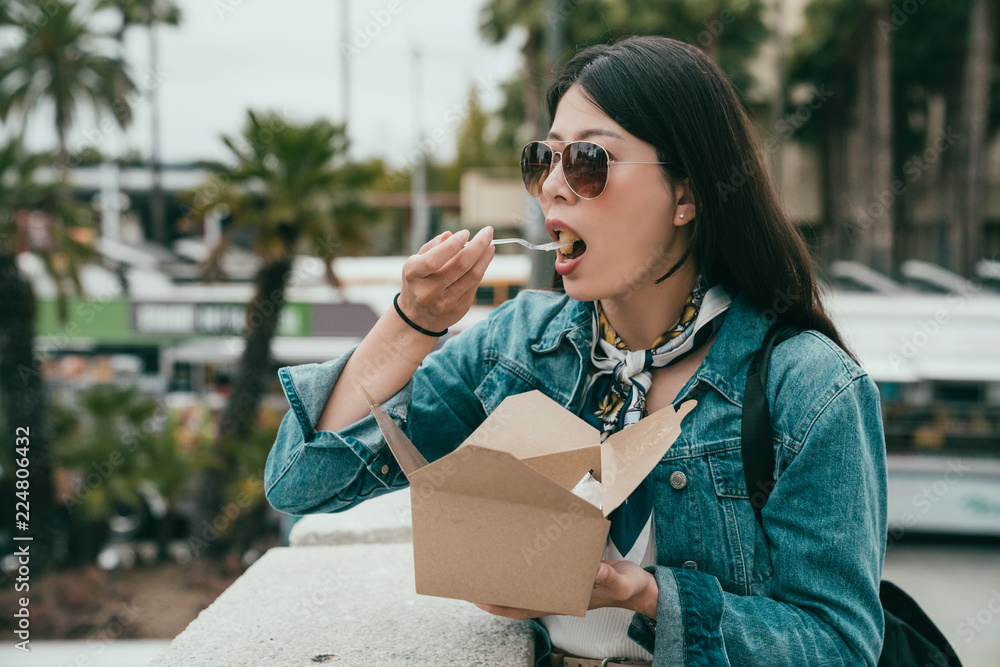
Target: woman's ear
{"type": "Point", "coordinates": [684, 211]}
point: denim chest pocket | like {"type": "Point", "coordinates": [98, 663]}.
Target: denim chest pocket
{"type": "Point", "coordinates": [504, 379]}
{"type": "Point", "coordinates": [746, 557]}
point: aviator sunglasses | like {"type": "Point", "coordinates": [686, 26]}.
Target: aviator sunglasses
{"type": "Point", "coordinates": [584, 166]}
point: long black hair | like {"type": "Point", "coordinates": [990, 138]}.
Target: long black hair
{"type": "Point", "coordinates": [673, 96]}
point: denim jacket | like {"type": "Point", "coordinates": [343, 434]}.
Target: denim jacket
{"type": "Point", "coordinates": [802, 591]}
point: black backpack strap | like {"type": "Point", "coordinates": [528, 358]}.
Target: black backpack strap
{"type": "Point", "coordinates": [911, 639]}
{"type": "Point", "coordinates": [758, 452]}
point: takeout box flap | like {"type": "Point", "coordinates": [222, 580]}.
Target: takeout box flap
{"type": "Point", "coordinates": [629, 455]}
{"type": "Point", "coordinates": [545, 435]}
{"type": "Point", "coordinates": [489, 520]}
{"type": "Point", "coordinates": [405, 452]}
{"type": "Point", "coordinates": [532, 424]}
{"type": "Point", "coordinates": [488, 473]}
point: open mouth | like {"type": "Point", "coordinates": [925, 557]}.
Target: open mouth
{"type": "Point", "coordinates": [573, 246]}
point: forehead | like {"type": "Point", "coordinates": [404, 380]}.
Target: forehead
{"type": "Point", "coordinates": [578, 118]}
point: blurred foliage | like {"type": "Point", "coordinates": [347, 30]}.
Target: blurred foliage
{"type": "Point", "coordinates": [20, 188]}
{"type": "Point", "coordinates": [59, 60]}
{"type": "Point", "coordinates": [107, 444]}
{"type": "Point", "coordinates": [928, 50]}
{"type": "Point", "coordinates": [731, 31]}
{"type": "Point", "coordinates": [146, 13]}
{"type": "Point", "coordinates": [292, 186]}
{"type": "Point", "coordinates": [66, 243]}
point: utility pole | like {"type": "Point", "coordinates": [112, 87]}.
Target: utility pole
{"type": "Point", "coordinates": [418, 181]}
{"type": "Point", "coordinates": [534, 223]}
{"type": "Point", "coordinates": [778, 100]}
{"type": "Point", "coordinates": [156, 193]}
{"type": "Point", "coordinates": [345, 66]}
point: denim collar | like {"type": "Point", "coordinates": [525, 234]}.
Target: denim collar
{"type": "Point", "coordinates": [572, 321]}
{"type": "Point", "coordinates": [724, 368]}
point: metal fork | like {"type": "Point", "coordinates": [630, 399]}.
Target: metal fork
{"type": "Point", "coordinates": [552, 245]}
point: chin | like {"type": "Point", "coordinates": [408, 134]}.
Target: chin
{"type": "Point", "coordinates": [581, 291]}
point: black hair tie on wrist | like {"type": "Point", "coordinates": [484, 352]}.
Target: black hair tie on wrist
{"type": "Point", "coordinates": [414, 325]}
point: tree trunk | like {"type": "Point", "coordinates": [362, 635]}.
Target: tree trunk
{"type": "Point", "coordinates": [253, 375]}
{"type": "Point", "coordinates": [881, 140]}
{"type": "Point", "coordinates": [157, 216]}
{"type": "Point", "coordinates": [971, 173]}
{"type": "Point", "coordinates": [25, 406]}
{"type": "Point", "coordinates": [532, 92]}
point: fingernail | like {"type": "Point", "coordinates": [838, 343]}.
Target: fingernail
{"type": "Point", "coordinates": [463, 233]}
{"type": "Point", "coordinates": [602, 573]}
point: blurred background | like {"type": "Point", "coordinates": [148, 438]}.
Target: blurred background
{"type": "Point", "coordinates": [193, 194]}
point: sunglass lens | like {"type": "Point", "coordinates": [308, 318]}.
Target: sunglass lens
{"type": "Point", "coordinates": [536, 160]}
{"type": "Point", "coordinates": [586, 167]}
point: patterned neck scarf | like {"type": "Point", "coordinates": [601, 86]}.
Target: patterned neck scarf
{"type": "Point", "coordinates": [616, 393]}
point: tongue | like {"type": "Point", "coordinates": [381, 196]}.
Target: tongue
{"type": "Point", "coordinates": [579, 247]}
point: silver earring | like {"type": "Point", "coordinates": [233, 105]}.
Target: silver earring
{"type": "Point", "coordinates": [682, 215]}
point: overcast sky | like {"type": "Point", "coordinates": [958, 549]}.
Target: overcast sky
{"type": "Point", "coordinates": [230, 55]}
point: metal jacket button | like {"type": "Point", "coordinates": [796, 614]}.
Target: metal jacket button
{"type": "Point", "coordinates": [689, 565]}
{"type": "Point", "coordinates": [678, 480]}
{"type": "Point", "coordinates": [385, 470]}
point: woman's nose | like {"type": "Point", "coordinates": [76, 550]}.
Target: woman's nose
{"type": "Point", "coordinates": [555, 181]}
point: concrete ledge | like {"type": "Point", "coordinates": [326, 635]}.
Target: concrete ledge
{"type": "Point", "coordinates": [343, 605]}
{"type": "Point", "coordinates": [378, 520]}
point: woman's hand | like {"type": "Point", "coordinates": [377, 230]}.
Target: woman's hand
{"type": "Point", "coordinates": [440, 281]}
{"type": "Point", "coordinates": [619, 583]}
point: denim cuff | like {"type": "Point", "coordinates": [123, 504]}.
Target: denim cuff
{"type": "Point", "coordinates": [317, 381]}
{"type": "Point", "coordinates": [688, 625]}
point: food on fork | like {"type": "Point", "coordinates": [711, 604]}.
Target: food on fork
{"type": "Point", "coordinates": [569, 239]}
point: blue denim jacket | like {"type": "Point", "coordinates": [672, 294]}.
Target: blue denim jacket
{"type": "Point", "coordinates": [803, 591]}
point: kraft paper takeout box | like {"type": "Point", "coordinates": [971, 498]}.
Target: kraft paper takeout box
{"type": "Point", "coordinates": [495, 522]}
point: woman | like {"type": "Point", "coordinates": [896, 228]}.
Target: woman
{"type": "Point", "coordinates": [672, 272]}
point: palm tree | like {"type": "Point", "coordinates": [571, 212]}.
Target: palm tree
{"type": "Point", "coordinates": [148, 13]}
{"type": "Point", "coordinates": [56, 61]}
{"type": "Point", "coordinates": [292, 189]}
{"type": "Point", "coordinates": [844, 50]}
{"type": "Point", "coordinates": [103, 444]}
{"type": "Point", "coordinates": [564, 28]}
{"type": "Point", "coordinates": [969, 196]}
{"type": "Point", "coordinates": [21, 390]}
{"type": "Point", "coordinates": [59, 61]}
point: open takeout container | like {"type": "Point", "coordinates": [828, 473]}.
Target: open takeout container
{"type": "Point", "coordinates": [495, 522]}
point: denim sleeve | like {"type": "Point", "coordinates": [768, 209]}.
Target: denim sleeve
{"type": "Point", "coordinates": [311, 471]}
{"type": "Point", "coordinates": [826, 523]}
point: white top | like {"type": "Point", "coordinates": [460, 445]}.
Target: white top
{"type": "Point", "coordinates": [602, 633]}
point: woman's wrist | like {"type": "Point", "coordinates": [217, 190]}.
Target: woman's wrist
{"type": "Point", "coordinates": [646, 601]}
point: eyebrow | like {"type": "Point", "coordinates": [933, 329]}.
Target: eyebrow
{"type": "Point", "coordinates": [587, 133]}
